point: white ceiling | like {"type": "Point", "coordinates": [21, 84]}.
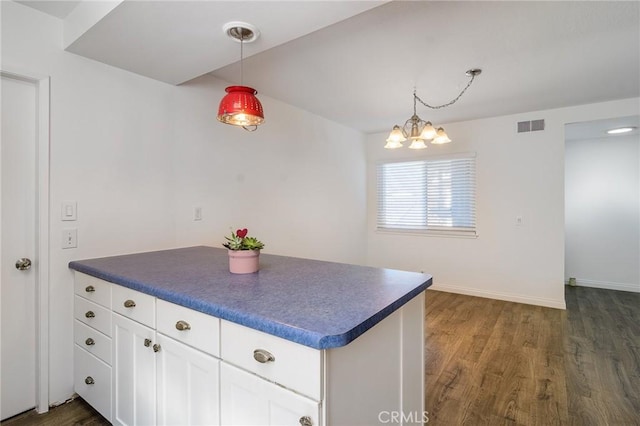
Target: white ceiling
{"type": "Point", "coordinates": [357, 62]}
{"type": "Point", "coordinates": [597, 129]}
{"type": "Point", "coordinates": [59, 9]}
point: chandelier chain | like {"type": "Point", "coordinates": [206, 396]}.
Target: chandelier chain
{"type": "Point", "coordinates": [473, 76]}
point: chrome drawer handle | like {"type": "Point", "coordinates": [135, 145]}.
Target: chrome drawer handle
{"type": "Point", "coordinates": [147, 342]}
{"type": "Point", "coordinates": [183, 325]}
{"type": "Point", "coordinates": [305, 421]}
{"type": "Point", "coordinates": [90, 289]}
{"type": "Point", "coordinates": [89, 342]}
{"type": "Point", "coordinates": [89, 380]}
{"type": "Point", "coordinates": [90, 314]}
{"type": "Point", "coordinates": [156, 347]}
{"type": "Point", "coordinates": [263, 356]}
{"type": "Point", "coordinates": [129, 304]}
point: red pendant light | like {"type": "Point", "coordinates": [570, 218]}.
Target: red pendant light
{"type": "Point", "coordinates": [240, 107]}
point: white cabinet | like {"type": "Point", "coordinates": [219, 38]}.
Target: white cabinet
{"type": "Point", "coordinates": [158, 380]}
{"type": "Point", "coordinates": [247, 399]}
{"type": "Point", "coordinates": [170, 365]}
{"type": "Point", "coordinates": [187, 385]}
{"type": "Point", "coordinates": [134, 373]}
{"type": "Point", "coordinates": [92, 338]}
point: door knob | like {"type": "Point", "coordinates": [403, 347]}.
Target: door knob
{"type": "Point", "coordinates": [23, 264]}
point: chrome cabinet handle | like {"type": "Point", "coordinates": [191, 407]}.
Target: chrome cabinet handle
{"type": "Point", "coordinates": [89, 342]}
{"type": "Point", "coordinates": [306, 421]}
{"type": "Point", "coordinates": [147, 342]}
{"type": "Point", "coordinates": [129, 304]}
{"type": "Point", "coordinates": [90, 289]}
{"type": "Point", "coordinates": [183, 325]}
{"type": "Point", "coordinates": [23, 264]}
{"type": "Point", "coordinates": [90, 314]}
{"type": "Point", "coordinates": [89, 380]}
{"type": "Point", "coordinates": [263, 356]}
{"type": "Point", "coordinates": [156, 347]}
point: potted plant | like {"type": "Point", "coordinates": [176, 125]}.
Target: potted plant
{"type": "Point", "coordinates": [244, 252]}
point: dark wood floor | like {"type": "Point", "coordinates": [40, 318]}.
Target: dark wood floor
{"type": "Point", "coordinates": [490, 362]}
{"type": "Point", "coordinates": [73, 413]}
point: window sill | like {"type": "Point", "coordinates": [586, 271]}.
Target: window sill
{"type": "Point", "coordinates": [428, 233]}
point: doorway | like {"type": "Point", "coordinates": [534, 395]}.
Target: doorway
{"type": "Point", "coordinates": [602, 204]}
{"type": "Point", "coordinates": [24, 231]}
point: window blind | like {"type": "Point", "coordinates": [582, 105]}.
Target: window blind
{"type": "Point", "coordinates": [435, 194]}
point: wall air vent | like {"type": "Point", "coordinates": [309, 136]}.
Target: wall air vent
{"type": "Point", "coordinates": [524, 126]}
{"type": "Point", "coordinates": [537, 125]}
{"type": "Point", "coordinates": [530, 126]}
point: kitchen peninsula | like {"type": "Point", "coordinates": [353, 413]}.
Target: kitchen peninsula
{"type": "Point", "coordinates": [171, 337]}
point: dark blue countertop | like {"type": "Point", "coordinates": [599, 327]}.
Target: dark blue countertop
{"type": "Point", "coordinates": [318, 304]}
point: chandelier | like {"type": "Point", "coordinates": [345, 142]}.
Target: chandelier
{"type": "Point", "coordinates": [418, 130]}
{"type": "Point", "coordinates": [240, 107]}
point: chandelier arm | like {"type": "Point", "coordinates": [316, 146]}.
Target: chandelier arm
{"type": "Point", "coordinates": [473, 76]}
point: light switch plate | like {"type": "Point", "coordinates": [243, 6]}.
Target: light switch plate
{"type": "Point", "coordinates": [69, 211]}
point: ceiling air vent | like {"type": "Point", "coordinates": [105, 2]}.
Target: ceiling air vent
{"type": "Point", "coordinates": [530, 126]}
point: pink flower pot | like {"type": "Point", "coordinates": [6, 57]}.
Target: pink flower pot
{"type": "Point", "coordinates": [244, 261]}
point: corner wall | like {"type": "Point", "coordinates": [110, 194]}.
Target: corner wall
{"type": "Point", "coordinates": [137, 155]}
{"type": "Point", "coordinates": [517, 175]}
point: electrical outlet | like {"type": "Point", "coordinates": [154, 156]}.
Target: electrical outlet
{"type": "Point", "coordinates": [519, 221]}
{"type": "Point", "coordinates": [69, 238]}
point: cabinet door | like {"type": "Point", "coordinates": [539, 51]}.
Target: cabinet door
{"type": "Point", "coordinates": [188, 383]}
{"type": "Point", "coordinates": [246, 399]}
{"type": "Point", "coordinates": [134, 373]}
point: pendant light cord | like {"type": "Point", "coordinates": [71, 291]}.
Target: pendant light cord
{"type": "Point", "coordinates": [241, 54]}
{"type": "Point", "coordinates": [473, 76]}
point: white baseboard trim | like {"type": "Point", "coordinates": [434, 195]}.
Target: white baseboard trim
{"type": "Point", "coordinates": [635, 288]}
{"type": "Point", "coordinates": [538, 301]}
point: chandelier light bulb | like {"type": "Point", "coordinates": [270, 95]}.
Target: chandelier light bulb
{"type": "Point", "coordinates": [441, 137]}
{"type": "Point", "coordinates": [417, 144]}
{"type": "Point", "coordinates": [428, 132]}
{"type": "Point", "coordinates": [395, 138]}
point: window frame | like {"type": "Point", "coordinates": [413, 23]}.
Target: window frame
{"type": "Point", "coordinates": [442, 231]}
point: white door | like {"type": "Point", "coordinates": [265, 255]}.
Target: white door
{"type": "Point", "coordinates": [188, 383]}
{"type": "Point", "coordinates": [18, 223]}
{"type": "Point", "coordinates": [134, 373]}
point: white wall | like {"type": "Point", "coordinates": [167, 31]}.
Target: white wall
{"type": "Point", "coordinates": [517, 175]}
{"type": "Point", "coordinates": [137, 155]}
{"type": "Point", "coordinates": [297, 183]}
{"type": "Point", "coordinates": [602, 184]}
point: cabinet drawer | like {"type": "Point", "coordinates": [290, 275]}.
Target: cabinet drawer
{"type": "Point", "coordinates": [194, 328]}
{"type": "Point", "coordinates": [138, 306]}
{"type": "Point", "coordinates": [92, 381]}
{"type": "Point", "coordinates": [294, 366]}
{"type": "Point", "coordinates": [92, 341]}
{"type": "Point", "coordinates": [93, 315]}
{"type": "Point", "coordinates": [92, 288]}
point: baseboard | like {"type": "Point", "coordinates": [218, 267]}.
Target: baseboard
{"type": "Point", "coordinates": [538, 301]}
{"type": "Point", "coordinates": [635, 288]}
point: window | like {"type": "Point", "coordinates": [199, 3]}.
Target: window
{"type": "Point", "coordinates": [428, 195]}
